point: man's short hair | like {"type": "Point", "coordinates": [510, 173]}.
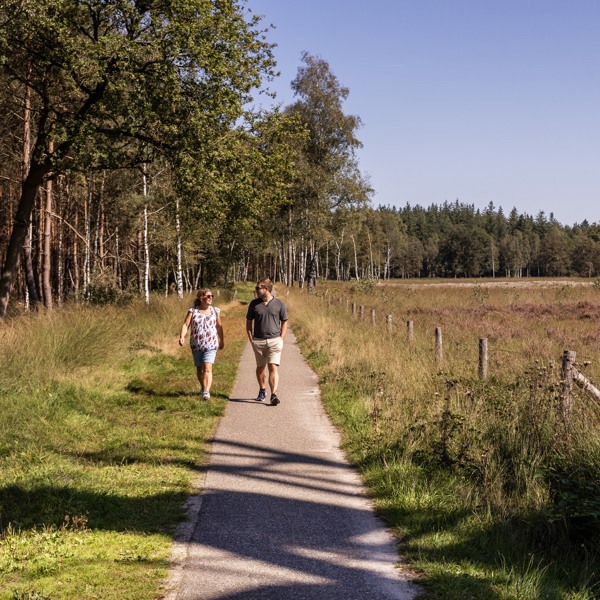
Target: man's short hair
{"type": "Point", "coordinates": [266, 283]}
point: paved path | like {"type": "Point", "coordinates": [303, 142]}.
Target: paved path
{"type": "Point", "coordinates": [283, 515]}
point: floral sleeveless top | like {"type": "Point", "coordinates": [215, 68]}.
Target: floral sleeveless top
{"type": "Point", "coordinates": [204, 329]}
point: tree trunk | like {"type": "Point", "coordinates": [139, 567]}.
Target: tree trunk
{"type": "Point", "coordinates": [146, 246]}
{"type": "Point", "coordinates": [26, 203]}
{"type": "Point", "coordinates": [290, 260]}
{"type": "Point", "coordinates": [31, 296]}
{"type": "Point", "coordinates": [355, 259]}
{"type": "Point", "coordinates": [60, 255]}
{"type": "Point", "coordinates": [312, 269]}
{"type": "Point", "coordinates": [178, 275]}
{"type": "Point", "coordinates": [76, 257]}
{"type": "Point", "coordinates": [87, 209]}
{"type": "Point", "coordinates": [47, 261]}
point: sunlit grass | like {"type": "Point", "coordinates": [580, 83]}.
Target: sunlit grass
{"type": "Point", "coordinates": [476, 476]}
{"type": "Point", "coordinates": [102, 435]}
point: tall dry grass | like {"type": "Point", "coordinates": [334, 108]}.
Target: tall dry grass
{"type": "Point", "coordinates": [508, 438]}
{"type": "Point", "coordinates": [38, 348]}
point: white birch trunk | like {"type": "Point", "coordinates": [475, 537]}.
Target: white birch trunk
{"type": "Point", "coordinates": [355, 259]}
{"type": "Point", "coordinates": [87, 231]}
{"type": "Point", "coordinates": [146, 244]}
{"type": "Point", "coordinates": [179, 269]}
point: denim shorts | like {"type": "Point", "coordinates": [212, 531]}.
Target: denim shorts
{"type": "Point", "coordinates": [204, 356]}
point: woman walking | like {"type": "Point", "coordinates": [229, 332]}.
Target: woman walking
{"type": "Point", "coordinates": [206, 337]}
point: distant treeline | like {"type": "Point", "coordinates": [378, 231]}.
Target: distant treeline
{"type": "Point", "coordinates": [446, 240]}
{"type": "Point", "coordinates": [458, 240]}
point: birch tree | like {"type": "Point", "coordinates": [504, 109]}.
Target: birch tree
{"type": "Point", "coordinates": [328, 173]}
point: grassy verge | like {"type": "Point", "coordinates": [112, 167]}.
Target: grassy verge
{"type": "Point", "coordinates": [492, 493]}
{"type": "Point", "coordinates": [102, 433]}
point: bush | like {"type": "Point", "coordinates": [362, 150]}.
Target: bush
{"type": "Point", "coordinates": [575, 489]}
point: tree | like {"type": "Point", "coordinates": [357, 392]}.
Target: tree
{"type": "Point", "coordinates": [464, 251]}
{"type": "Point", "coordinates": [114, 83]}
{"type": "Point", "coordinates": [328, 176]}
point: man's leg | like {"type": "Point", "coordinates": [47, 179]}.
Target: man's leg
{"type": "Point", "coordinates": [261, 377]}
{"type": "Point", "coordinates": [273, 377]}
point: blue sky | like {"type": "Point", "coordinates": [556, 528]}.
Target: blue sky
{"type": "Point", "coordinates": [476, 100]}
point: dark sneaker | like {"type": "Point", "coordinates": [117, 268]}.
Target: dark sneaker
{"type": "Point", "coordinates": [274, 400]}
{"type": "Point", "coordinates": [262, 395]}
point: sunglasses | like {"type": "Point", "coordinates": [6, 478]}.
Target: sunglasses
{"type": "Point", "coordinates": [259, 287]}
{"type": "Point", "coordinates": [208, 295]}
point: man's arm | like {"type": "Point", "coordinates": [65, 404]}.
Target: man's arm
{"type": "Point", "coordinates": [249, 329]}
{"type": "Point", "coordinates": [283, 329]}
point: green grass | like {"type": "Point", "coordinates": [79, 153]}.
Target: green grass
{"type": "Point", "coordinates": [492, 495]}
{"type": "Point", "coordinates": [101, 443]}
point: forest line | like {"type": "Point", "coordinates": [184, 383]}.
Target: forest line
{"type": "Point", "coordinates": [135, 159]}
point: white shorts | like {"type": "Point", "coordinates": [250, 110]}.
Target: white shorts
{"type": "Point", "coordinates": [267, 351]}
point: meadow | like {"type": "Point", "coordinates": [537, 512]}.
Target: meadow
{"type": "Point", "coordinates": [102, 440]}
{"type": "Point", "coordinates": [491, 486]}
{"type": "Point", "coordinates": [492, 489]}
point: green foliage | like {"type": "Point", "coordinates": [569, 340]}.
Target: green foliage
{"type": "Point", "coordinates": [132, 72]}
{"type": "Point", "coordinates": [363, 286]}
{"type": "Point", "coordinates": [575, 488]}
{"type": "Point", "coordinates": [117, 84]}
{"type": "Point", "coordinates": [103, 291]}
{"type": "Point", "coordinates": [480, 294]}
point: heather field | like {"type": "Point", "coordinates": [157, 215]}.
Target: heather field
{"type": "Point", "coordinates": [492, 485]}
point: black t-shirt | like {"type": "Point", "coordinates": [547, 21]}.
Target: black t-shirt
{"type": "Point", "coordinates": [267, 317]}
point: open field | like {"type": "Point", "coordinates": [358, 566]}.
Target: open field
{"type": "Point", "coordinates": [489, 283]}
{"type": "Point", "coordinates": [491, 484]}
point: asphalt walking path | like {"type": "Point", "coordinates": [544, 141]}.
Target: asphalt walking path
{"type": "Point", "coordinates": [282, 515]}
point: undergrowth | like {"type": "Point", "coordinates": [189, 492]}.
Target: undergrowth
{"type": "Point", "coordinates": [490, 485]}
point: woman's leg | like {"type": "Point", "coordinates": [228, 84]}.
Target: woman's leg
{"type": "Point", "coordinates": [206, 376]}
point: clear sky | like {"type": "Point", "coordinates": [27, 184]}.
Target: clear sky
{"type": "Point", "coordinates": [476, 100]}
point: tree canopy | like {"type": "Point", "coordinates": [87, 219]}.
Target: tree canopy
{"type": "Point", "coordinates": [114, 83]}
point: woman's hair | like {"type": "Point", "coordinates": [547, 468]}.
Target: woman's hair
{"type": "Point", "coordinates": [200, 294]}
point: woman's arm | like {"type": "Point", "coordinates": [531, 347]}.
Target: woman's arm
{"type": "Point", "coordinates": [184, 328]}
{"type": "Point", "coordinates": [220, 333]}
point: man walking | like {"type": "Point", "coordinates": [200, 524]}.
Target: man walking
{"type": "Point", "coordinates": [269, 317]}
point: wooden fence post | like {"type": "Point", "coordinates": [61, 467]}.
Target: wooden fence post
{"type": "Point", "coordinates": [568, 362]}
{"type": "Point", "coordinates": [372, 316]}
{"type": "Point", "coordinates": [439, 350]}
{"type": "Point", "coordinates": [483, 358]}
{"type": "Point", "coordinates": [388, 321]}
{"type": "Point", "coordinates": [354, 309]}
{"type": "Point", "coordinates": [410, 332]}
{"type": "Point", "coordinates": [361, 312]}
